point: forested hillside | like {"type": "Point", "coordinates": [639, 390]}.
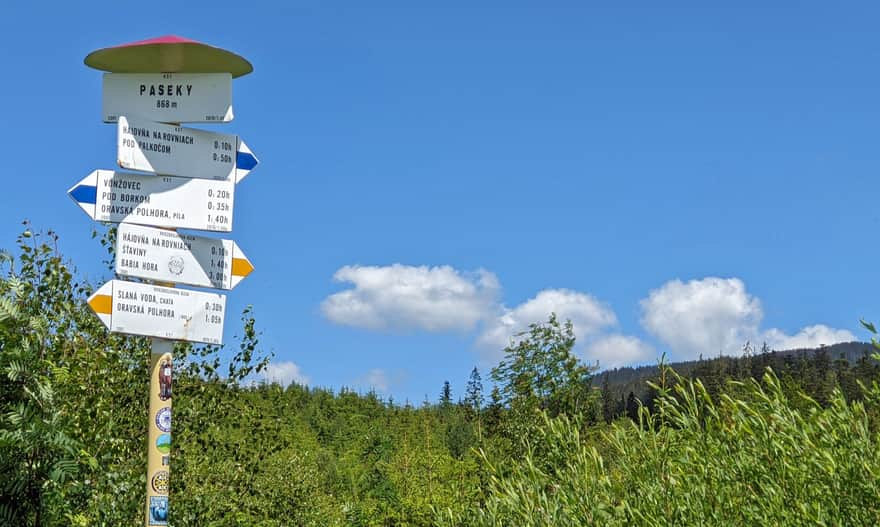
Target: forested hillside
{"type": "Point", "coordinates": [807, 370]}
{"type": "Point", "coordinates": [765, 439]}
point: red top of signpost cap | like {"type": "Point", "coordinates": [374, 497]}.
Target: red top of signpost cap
{"type": "Point", "coordinates": [168, 54]}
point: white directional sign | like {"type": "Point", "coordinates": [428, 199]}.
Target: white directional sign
{"type": "Point", "coordinates": [171, 202]}
{"type": "Point", "coordinates": [169, 97]}
{"type": "Point", "coordinates": [176, 151]}
{"type": "Point", "coordinates": [163, 312]}
{"type": "Point", "coordinates": [168, 256]}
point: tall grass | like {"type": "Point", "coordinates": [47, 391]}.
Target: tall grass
{"type": "Point", "coordinates": [754, 459]}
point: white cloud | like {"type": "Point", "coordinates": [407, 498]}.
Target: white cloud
{"type": "Point", "coordinates": [285, 373]}
{"type": "Point", "coordinates": [809, 337]}
{"type": "Point", "coordinates": [702, 316]}
{"type": "Point", "coordinates": [402, 297]}
{"type": "Point", "coordinates": [614, 351]}
{"type": "Point", "coordinates": [375, 379]}
{"type": "Point", "coordinates": [588, 316]}
{"type": "Point", "coordinates": [715, 315]}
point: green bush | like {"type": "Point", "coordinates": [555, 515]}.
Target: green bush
{"type": "Point", "coordinates": [754, 460]}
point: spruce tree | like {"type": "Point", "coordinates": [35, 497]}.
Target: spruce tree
{"type": "Point", "coordinates": [445, 396]}
{"type": "Point", "coordinates": [473, 396]}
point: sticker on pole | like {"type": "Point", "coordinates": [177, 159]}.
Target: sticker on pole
{"type": "Point", "coordinates": [158, 510]}
{"type": "Point", "coordinates": [160, 481]}
{"type": "Point", "coordinates": [168, 97]}
{"type": "Point", "coordinates": [164, 312]}
{"type": "Point", "coordinates": [163, 419]}
{"type": "Point", "coordinates": [170, 150]}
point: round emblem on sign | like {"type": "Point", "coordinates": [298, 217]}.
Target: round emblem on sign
{"type": "Point", "coordinates": [175, 265]}
{"type": "Point", "coordinates": [160, 482]}
{"type": "Point", "coordinates": [163, 419]}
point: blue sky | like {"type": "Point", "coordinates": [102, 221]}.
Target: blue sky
{"type": "Point", "coordinates": [432, 179]}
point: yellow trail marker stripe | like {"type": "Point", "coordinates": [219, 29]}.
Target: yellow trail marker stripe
{"type": "Point", "coordinates": [241, 267]}
{"type": "Point", "coordinates": [102, 304]}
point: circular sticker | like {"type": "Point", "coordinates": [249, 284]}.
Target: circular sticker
{"type": "Point", "coordinates": [160, 482]}
{"type": "Point", "coordinates": [163, 419]}
{"type": "Point", "coordinates": [163, 443]}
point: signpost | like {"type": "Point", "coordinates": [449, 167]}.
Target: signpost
{"type": "Point", "coordinates": [171, 202]}
{"type": "Point", "coordinates": [176, 151]}
{"type": "Point", "coordinates": [173, 80]}
{"type": "Point", "coordinates": [168, 97]}
{"type": "Point", "coordinates": [157, 311]}
{"type": "Point", "coordinates": [168, 256]}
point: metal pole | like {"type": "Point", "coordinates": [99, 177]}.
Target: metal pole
{"type": "Point", "coordinates": [159, 433]}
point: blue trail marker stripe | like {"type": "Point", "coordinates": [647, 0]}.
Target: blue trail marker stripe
{"type": "Point", "coordinates": [85, 194]}
{"type": "Point", "coordinates": [245, 161]}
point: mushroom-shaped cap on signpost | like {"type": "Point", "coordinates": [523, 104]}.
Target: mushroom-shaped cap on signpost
{"type": "Point", "coordinates": [168, 54]}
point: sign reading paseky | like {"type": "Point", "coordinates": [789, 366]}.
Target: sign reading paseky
{"type": "Point", "coordinates": [171, 202]}
{"type": "Point", "coordinates": [168, 97]}
{"type": "Point", "coordinates": [176, 151]}
{"type": "Point", "coordinates": [163, 312]}
{"type": "Point", "coordinates": [167, 256]}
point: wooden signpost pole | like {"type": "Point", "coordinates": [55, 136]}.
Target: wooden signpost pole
{"type": "Point", "coordinates": [159, 431]}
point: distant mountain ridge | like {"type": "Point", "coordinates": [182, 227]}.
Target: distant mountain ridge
{"type": "Point", "coordinates": [632, 377]}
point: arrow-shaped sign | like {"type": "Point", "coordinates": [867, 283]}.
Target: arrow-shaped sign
{"type": "Point", "coordinates": [163, 312]}
{"type": "Point", "coordinates": [169, 97]}
{"type": "Point", "coordinates": [171, 202]}
{"type": "Point", "coordinates": [167, 256]}
{"type": "Point", "coordinates": [176, 151]}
